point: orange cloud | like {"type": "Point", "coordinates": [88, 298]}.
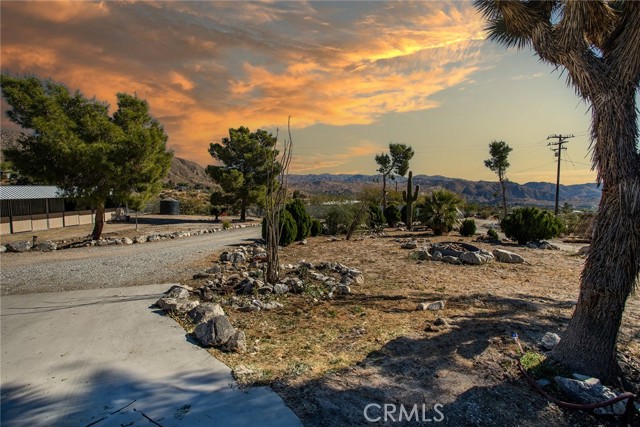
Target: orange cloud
{"type": "Point", "coordinates": [207, 66]}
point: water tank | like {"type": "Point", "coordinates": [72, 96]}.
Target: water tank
{"type": "Point", "coordinates": [169, 207]}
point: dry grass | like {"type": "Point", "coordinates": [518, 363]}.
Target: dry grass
{"type": "Point", "coordinates": [311, 337]}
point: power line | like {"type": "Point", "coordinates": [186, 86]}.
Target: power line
{"type": "Point", "coordinates": [562, 139]}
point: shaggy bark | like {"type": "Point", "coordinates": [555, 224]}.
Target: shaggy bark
{"type": "Point", "coordinates": [597, 44]}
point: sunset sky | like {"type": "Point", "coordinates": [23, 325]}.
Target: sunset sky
{"type": "Point", "coordinates": [354, 76]}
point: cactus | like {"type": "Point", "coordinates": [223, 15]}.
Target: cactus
{"type": "Point", "coordinates": [408, 197]}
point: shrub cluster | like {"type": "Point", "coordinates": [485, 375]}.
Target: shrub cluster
{"type": "Point", "coordinates": [302, 219]}
{"type": "Point", "coordinates": [531, 224]}
{"type": "Point", "coordinates": [316, 227]}
{"type": "Point", "coordinates": [376, 218]}
{"type": "Point", "coordinates": [468, 228]}
{"type": "Point", "coordinates": [392, 215]}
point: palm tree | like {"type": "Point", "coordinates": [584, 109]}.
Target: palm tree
{"type": "Point", "coordinates": [596, 42]}
{"type": "Point", "coordinates": [439, 211]}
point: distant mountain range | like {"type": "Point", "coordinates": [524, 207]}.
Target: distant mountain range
{"type": "Point", "coordinates": [584, 196]}
{"type": "Point", "coordinates": [486, 192]}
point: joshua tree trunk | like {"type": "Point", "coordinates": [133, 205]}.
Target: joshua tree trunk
{"type": "Point", "coordinates": [99, 224]}
{"type": "Point", "coordinates": [384, 192]}
{"type": "Point", "coordinates": [504, 196]}
{"type": "Point", "coordinates": [597, 44]}
{"type": "Point", "coordinates": [613, 262]}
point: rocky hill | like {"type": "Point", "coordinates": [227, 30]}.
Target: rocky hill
{"type": "Point", "coordinates": [184, 171]}
{"type": "Point", "coordinates": [485, 192]}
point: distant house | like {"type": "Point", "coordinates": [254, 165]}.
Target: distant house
{"type": "Point", "coordinates": [25, 208]}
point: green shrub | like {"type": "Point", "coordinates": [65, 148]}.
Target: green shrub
{"type": "Point", "coordinates": [439, 210]}
{"type": "Point", "coordinates": [392, 215]}
{"type": "Point", "coordinates": [376, 218]}
{"type": "Point", "coordinates": [339, 217]}
{"type": "Point", "coordinates": [288, 228]}
{"type": "Point", "coordinates": [468, 228]}
{"type": "Point", "coordinates": [493, 234]}
{"type": "Point", "coordinates": [299, 213]}
{"type": "Point", "coordinates": [531, 224]}
{"type": "Point", "coordinates": [316, 227]}
{"type": "Point", "coordinates": [226, 224]}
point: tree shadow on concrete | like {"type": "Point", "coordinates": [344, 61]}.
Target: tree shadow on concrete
{"type": "Point", "coordinates": [116, 397]}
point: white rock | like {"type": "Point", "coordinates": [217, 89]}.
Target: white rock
{"type": "Point", "coordinates": [507, 257]}
{"type": "Point", "coordinates": [549, 341]}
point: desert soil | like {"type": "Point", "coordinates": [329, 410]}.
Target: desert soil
{"type": "Point", "coordinates": [330, 358]}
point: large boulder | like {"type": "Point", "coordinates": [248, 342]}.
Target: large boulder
{"type": "Point", "coordinates": [237, 342]}
{"type": "Point", "coordinates": [214, 332]}
{"type": "Point", "coordinates": [3, 249]}
{"type": "Point", "coordinates": [179, 306]}
{"type": "Point", "coordinates": [205, 312]}
{"type": "Point", "coordinates": [507, 257]}
{"type": "Point", "coordinates": [590, 390]}
{"type": "Point", "coordinates": [21, 246]}
{"type": "Point", "coordinates": [46, 246]}
{"type": "Point", "coordinates": [140, 239]}
{"type": "Point", "coordinates": [178, 291]}
{"type": "Point", "coordinates": [472, 258]}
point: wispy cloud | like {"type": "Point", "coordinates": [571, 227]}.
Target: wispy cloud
{"type": "Point", "coordinates": [528, 77]}
{"type": "Point", "coordinates": [208, 66]}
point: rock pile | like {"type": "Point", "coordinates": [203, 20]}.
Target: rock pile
{"type": "Point", "coordinates": [213, 328]}
{"type": "Point", "coordinates": [49, 245]}
{"type": "Point", "coordinates": [242, 270]}
{"type": "Point", "coordinates": [454, 253]}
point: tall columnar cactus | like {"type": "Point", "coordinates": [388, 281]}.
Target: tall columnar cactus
{"type": "Point", "coordinates": [408, 197]}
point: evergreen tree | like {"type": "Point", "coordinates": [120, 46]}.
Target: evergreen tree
{"type": "Point", "coordinates": [74, 144]}
{"type": "Point", "coordinates": [245, 156]}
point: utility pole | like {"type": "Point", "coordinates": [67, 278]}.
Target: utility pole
{"type": "Point", "coordinates": [562, 139]}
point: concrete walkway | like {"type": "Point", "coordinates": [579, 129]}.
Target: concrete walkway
{"type": "Point", "coordinates": [104, 358]}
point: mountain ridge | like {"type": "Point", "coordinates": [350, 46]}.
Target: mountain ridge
{"type": "Point", "coordinates": [485, 192]}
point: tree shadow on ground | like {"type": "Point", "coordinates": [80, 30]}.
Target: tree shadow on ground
{"type": "Point", "coordinates": [468, 368]}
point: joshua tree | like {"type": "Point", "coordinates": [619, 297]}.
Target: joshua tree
{"type": "Point", "coordinates": [396, 162]}
{"type": "Point", "coordinates": [498, 163]}
{"type": "Point", "coordinates": [596, 42]}
{"type": "Point", "coordinates": [408, 197]}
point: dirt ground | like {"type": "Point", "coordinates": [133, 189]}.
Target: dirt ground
{"type": "Point", "coordinates": [330, 358]}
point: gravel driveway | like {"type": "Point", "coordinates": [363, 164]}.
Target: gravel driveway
{"type": "Point", "coordinates": [112, 266]}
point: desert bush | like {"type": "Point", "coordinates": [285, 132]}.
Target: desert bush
{"type": "Point", "coordinates": [578, 223]}
{"type": "Point", "coordinates": [376, 218]}
{"type": "Point", "coordinates": [299, 213]}
{"type": "Point", "coordinates": [226, 224]}
{"type": "Point", "coordinates": [339, 217]}
{"type": "Point", "coordinates": [531, 224]}
{"type": "Point", "coordinates": [493, 234]}
{"type": "Point", "coordinates": [439, 210]}
{"type": "Point", "coordinates": [392, 215]}
{"type": "Point", "coordinates": [468, 228]}
{"type": "Point", "coordinates": [316, 227]}
{"type": "Point", "coordinates": [288, 228]}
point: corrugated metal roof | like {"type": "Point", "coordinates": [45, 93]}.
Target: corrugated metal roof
{"type": "Point", "coordinates": [22, 192]}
